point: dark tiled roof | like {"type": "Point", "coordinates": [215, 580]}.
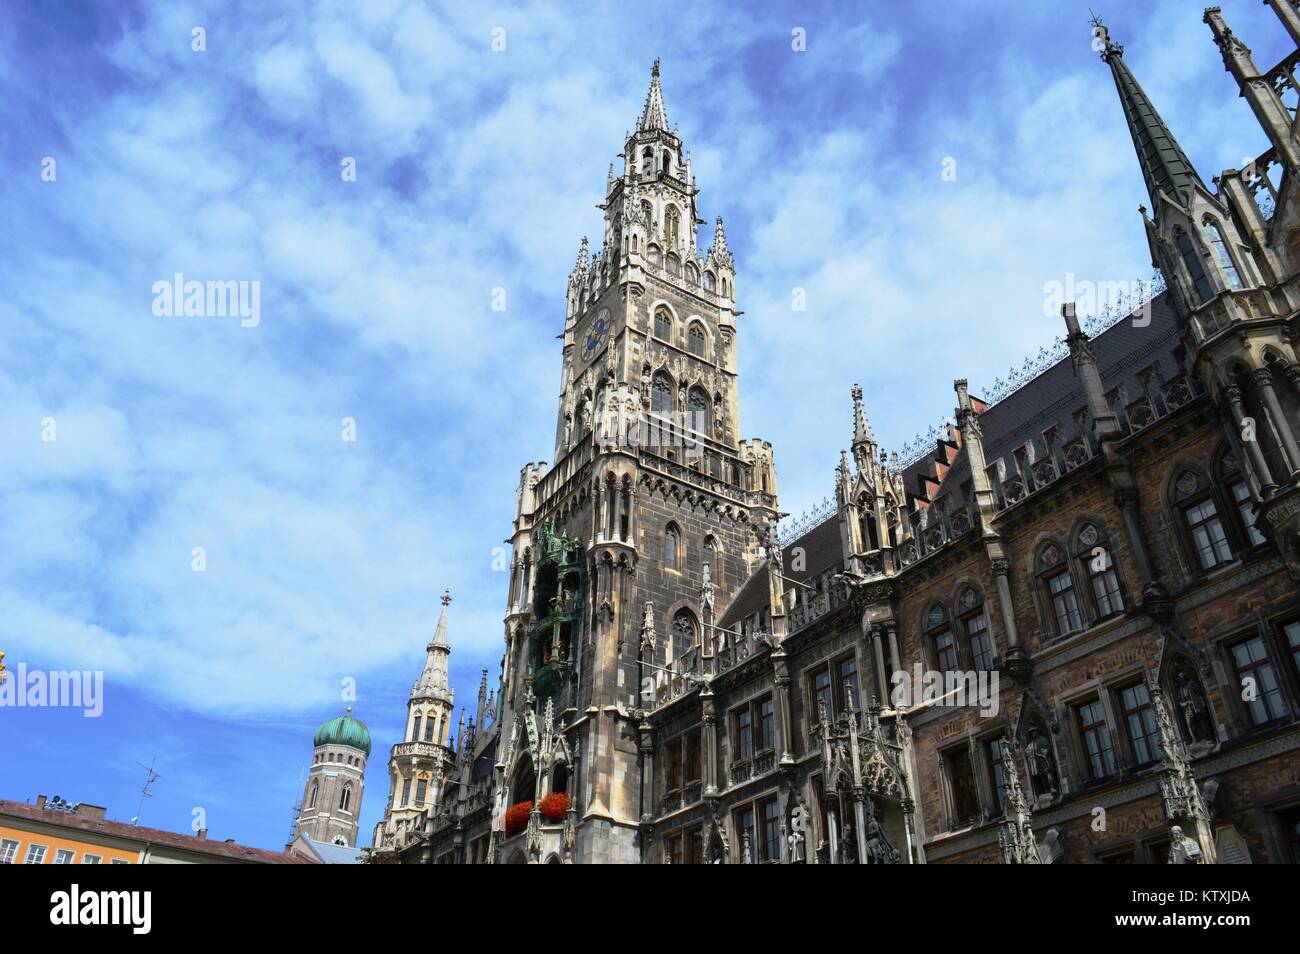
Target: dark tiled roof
{"type": "Point", "coordinates": [822, 550]}
{"type": "Point", "coordinates": [1053, 397]}
{"type": "Point", "coordinates": [142, 836]}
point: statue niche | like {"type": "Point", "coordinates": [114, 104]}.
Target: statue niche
{"type": "Point", "coordinates": [557, 617]}
{"type": "Point", "coordinates": [1044, 776]}
{"type": "Point", "coordinates": [1193, 706]}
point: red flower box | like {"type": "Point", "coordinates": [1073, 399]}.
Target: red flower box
{"type": "Point", "coordinates": [553, 806]}
{"type": "Point", "coordinates": [517, 817]}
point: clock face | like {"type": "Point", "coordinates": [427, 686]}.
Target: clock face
{"type": "Point", "coordinates": [597, 332]}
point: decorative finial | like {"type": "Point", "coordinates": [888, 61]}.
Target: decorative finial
{"type": "Point", "coordinates": [446, 597]}
{"type": "Point", "coordinates": [654, 71]}
{"type": "Point", "coordinates": [348, 710]}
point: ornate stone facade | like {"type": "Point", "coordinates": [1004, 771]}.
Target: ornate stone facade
{"type": "Point", "coordinates": [1087, 581]}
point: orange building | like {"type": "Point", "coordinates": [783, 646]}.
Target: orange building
{"type": "Point", "coordinates": [44, 834]}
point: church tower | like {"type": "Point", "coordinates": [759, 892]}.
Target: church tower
{"type": "Point", "coordinates": [654, 511]}
{"type": "Point", "coordinates": [419, 763]}
{"type": "Point", "coordinates": [331, 802]}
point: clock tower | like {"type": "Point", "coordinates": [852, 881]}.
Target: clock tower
{"type": "Point", "coordinates": [653, 513]}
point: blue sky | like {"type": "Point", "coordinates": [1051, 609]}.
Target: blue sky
{"type": "Point", "coordinates": [475, 170]}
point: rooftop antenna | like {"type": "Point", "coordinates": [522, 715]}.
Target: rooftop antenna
{"type": "Point", "coordinates": [144, 792]}
{"type": "Point", "coordinates": [297, 808]}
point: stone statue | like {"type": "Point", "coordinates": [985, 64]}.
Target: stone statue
{"type": "Point", "coordinates": [795, 841]}
{"type": "Point", "coordinates": [588, 409]}
{"type": "Point", "coordinates": [772, 543]}
{"type": "Point", "coordinates": [568, 430]}
{"type": "Point", "coordinates": [1183, 850]}
{"type": "Point", "coordinates": [1042, 765]}
{"type": "Point", "coordinates": [1193, 707]}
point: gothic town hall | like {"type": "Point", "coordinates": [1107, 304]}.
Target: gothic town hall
{"type": "Point", "coordinates": [1114, 542]}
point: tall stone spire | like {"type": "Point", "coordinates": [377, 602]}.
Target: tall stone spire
{"type": "Point", "coordinates": [482, 700]}
{"type": "Point", "coordinates": [864, 441]}
{"type": "Point", "coordinates": [719, 251]}
{"type": "Point", "coordinates": [654, 116]}
{"type": "Point", "coordinates": [433, 682]}
{"type": "Point", "coordinates": [1165, 167]}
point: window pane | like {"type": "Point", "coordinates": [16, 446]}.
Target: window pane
{"type": "Point", "coordinates": [981, 647]}
{"type": "Point", "coordinates": [1065, 604]}
{"type": "Point", "coordinates": [744, 734]}
{"type": "Point", "coordinates": [765, 720]}
{"type": "Point", "coordinates": [822, 694]}
{"type": "Point", "coordinates": [771, 831]}
{"type": "Point", "coordinates": [945, 651]}
{"type": "Point", "coordinates": [1105, 586]}
{"type": "Point", "coordinates": [1096, 740]}
{"type": "Point", "coordinates": [1141, 722]}
{"type": "Point", "coordinates": [997, 777]}
{"type": "Point", "coordinates": [1246, 508]}
{"type": "Point", "coordinates": [961, 781]}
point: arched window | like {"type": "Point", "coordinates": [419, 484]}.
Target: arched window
{"type": "Point", "coordinates": [661, 395]}
{"type": "Point", "coordinates": [674, 265]}
{"type": "Point", "coordinates": [698, 408]}
{"type": "Point", "coordinates": [1192, 261]}
{"type": "Point", "coordinates": [867, 532]}
{"type": "Point", "coordinates": [668, 163]}
{"type": "Point", "coordinates": [943, 645]}
{"type": "Point", "coordinates": [1221, 252]}
{"type": "Point", "coordinates": [1058, 590]}
{"type": "Point", "coordinates": [695, 339]}
{"type": "Point", "coordinates": [710, 281]}
{"type": "Point", "coordinates": [416, 734]}
{"type": "Point", "coordinates": [655, 255]}
{"type": "Point", "coordinates": [1202, 524]}
{"type": "Point", "coordinates": [428, 729]}
{"type": "Point", "coordinates": [663, 324]}
{"type": "Point", "coordinates": [525, 787]}
{"type": "Point", "coordinates": [315, 790]}
{"type": "Point", "coordinates": [1095, 553]}
{"type": "Point", "coordinates": [672, 548]}
{"type": "Point", "coordinates": [672, 225]}
{"type": "Point", "coordinates": [692, 273]}
{"type": "Point", "coordinates": [648, 161]}
{"type": "Point", "coordinates": [724, 286]}
{"type": "Point", "coordinates": [345, 800]}
{"type": "Point", "coordinates": [684, 631]}
{"type": "Point", "coordinates": [975, 627]}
